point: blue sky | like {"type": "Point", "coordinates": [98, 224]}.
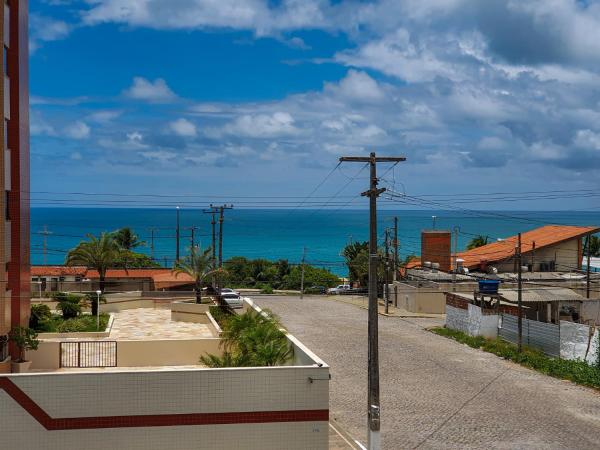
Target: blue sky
{"type": "Point", "coordinates": [253, 97]}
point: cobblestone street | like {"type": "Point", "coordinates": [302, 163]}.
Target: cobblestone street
{"type": "Point", "coordinates": [437, 393]}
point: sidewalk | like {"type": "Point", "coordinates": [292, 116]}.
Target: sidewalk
{"type": "Point", "coordinates": [362, 302]}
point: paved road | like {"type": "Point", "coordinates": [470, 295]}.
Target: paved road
{"type": "Point", "coordinates": [435, 392]}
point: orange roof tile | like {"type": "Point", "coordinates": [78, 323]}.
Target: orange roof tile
{"type": "Point", "coordinates": [57, 271]}
{"type": "Point", "coordinates": [543, 237]}
{"type": "Point", "coordinates": [170, 279]}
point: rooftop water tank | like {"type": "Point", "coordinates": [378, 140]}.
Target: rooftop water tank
{"type": "Point", "coordinates": [488, 286]}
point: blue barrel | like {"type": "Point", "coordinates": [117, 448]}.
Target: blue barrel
{"type": "Point", "coordinates": [489, 286]}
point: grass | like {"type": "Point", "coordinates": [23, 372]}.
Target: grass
{"type": "Point", "coordinates": [81, 323]}
{"type": "Point", "coordinates": [576, 371]}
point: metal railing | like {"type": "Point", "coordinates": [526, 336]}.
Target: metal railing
{"type": "Point", "coordinates": [81, 354]}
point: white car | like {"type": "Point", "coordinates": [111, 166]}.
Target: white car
{"type": "Point", "coordinates": [340, 289]}
{"type": "Point", "coordinates": [229, 291]}
{"type": "Point", "coordinates": [233, 300]}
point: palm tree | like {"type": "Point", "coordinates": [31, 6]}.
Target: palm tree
{"type": "Point", "coordinates": [127, 239]}
{"type": "Point", "coordinates": [199, 265]}
{"type": "Point", "coordinates": [477, 241]}
{"type": "Point", "coordinates": [252, 339]}
{"type": "Point", "coordinates": [99, 254]}
{"type": "Point", "coordinates": [594, 245]}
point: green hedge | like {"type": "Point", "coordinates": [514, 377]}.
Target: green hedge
{"type": "Point", "coordinates": [574, 370]}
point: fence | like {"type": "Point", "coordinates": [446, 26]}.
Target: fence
{"type": "Point", "coordinates": [544, 336]}
{"type": "Point", "coordinates": [88, 354]}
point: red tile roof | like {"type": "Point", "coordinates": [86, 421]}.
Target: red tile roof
{"type": "Point", "coordinates": [170, 279]}
{"type": "Point", "coordinates": [543, 237]}
{"type": "Point", "coordinates": [55, 271]}
{"type": "Point", "coordinates": [498, 251]}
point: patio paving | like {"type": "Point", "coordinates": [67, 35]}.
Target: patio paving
{"type": "Point", "coordinates": [146, 323]}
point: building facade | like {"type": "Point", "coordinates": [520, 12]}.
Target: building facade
{"type": "Point", "coordinates": [14, 175]}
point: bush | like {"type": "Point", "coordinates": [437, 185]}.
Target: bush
{"type": "Point", "coordinates": [25, 339]}
{"type": "Point", "coordinates": [68, 304]}
{"type": "Point", "coordinates": [266, 289]}
{"type": "Point", "coordinates": [251, 339]}
{"type": "Point", "coordinates": [220, 314]}
{"type": "Point", "coordinates": [574, 370]}
{"type": "Point", "coordinates": [40, 314]}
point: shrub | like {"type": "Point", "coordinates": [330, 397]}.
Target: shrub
{"type": "Point", "coordinates": [68, 304]}
{"type": "Point", "coordinates": [574, 370]}
{"type": "Point", "coordinates": [251, 339]}
{"type": "Point", "coordinates": [266, 289]}
{"type": "Point", "coordinates": [220, 314]}
{"type": "Point", "coordinates": [40, 314]}
{"type": "Point", "coordinates": [25, 339]}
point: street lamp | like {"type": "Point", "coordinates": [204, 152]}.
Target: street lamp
{"type": "Point", "coordinates": [98, 292]}
{"type": "Point", "coordinates": [433, 218]}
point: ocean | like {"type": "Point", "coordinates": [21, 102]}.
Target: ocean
{"type": "Point", "coordinates": [276, 233]}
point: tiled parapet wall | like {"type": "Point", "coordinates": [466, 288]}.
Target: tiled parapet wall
{"type": "Point", "coordinates": [456, 301]}
{"type": "Point", "coordinates": [235, 408]}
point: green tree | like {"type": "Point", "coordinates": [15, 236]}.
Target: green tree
{"type": "Point", "coordinates": [198, 265]}
{"type": "Point", "coordinates": [126, 239]}
{"type": "Point", "coordinates": [99, 254]}
{"type": "Point", "coordinates": [40, 313]}
{"type": "Point", "coordinates": [477, 241]}
{"type": "Point", "coordinates": [68, 304]}
{"type": "Point", "coordinates": [354, 254]}
{"type": "Point", "coordinates": [25, 339]}
{"type": "Point", "coordinates": [594, 246]}
{"type": "Point", "coordinates": [134, 260]}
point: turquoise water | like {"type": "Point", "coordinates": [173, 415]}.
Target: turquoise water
{"type": "Point", "coordinates": [277, 234]}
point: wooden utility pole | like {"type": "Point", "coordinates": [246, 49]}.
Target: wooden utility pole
{"type": "Point", "coordinates": [455, 259]}
{"type": "Point", "coordinates": [387, 271]}
{"type": "Point", "coordinates": [533, 256]}
{"type": "Point", "coordinates": [192, 229]}
{"type": "Point", "coordinates": [588, 247]}
{"type": "Point", "coordinates": [152, 242]}
{"type": "Point", "coordinates": [213, 211]}
{"type": "Point", "coordinates": [222, 209]}
{"type": "Point", "coordinates": [45, 233]}
{"type": "Point", "coordinates": [302, 273]}
{"type": "Point", "coordinates": [519, 294]}
{"type": "Point", "coordinates": [373, 406]}
{"type": "Point", "coordinates": [396, 251]}
{"type": "Point", "coordinates": [177, 238]}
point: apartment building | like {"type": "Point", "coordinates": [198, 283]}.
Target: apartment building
{"type": "Point", "coordinates": [14, 176]}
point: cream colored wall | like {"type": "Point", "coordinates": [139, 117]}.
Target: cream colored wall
{"type": "Point", "coordinates": [46, 357]}
{"type": "Point", "coordinates": [92, 394]}
{"type": "Point", "coordinates": [177, 352]}
{"type": "Point", "coordinates": [566, 255]}
{"type": "Point", "coordinates": [428, 299]}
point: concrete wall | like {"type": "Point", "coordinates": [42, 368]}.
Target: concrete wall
{"type": "Point", "coordinates": [175, 352]}
{"type": "Point", "coordinates": [189, 312]}
{"type": "Point", "coordinates": [576, 340]}
{"type": "Point", "coordinates": [203, 409]}
{"type": "Point", "coordinates": [566, 255]}
{"type": "Point", "coordinates": [590, 312]}
{"type": "Point", "coordinates": [472, 320]}
{"type": "Point", "coordinates": [46, 357]}
{"type": "Point", "coordinates": [429, 298]}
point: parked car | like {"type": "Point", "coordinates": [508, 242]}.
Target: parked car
{"type": "Point", "coordinates": [233, 300]}
{"type": "Point", "coordinates": [340, 289]}
{"type": "Point", "coordinates": [229, 291]}
{"type": "Point", "coordinates": [316, 290]}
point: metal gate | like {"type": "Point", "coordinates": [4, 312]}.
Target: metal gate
{"type": "Point", "coordinates": [88, 354]}
{"type": "Point", "coordinates": [540, 335]}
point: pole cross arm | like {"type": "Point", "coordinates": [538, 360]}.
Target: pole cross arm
{"type": "Point", "coordinates": [375, 192]}
{"type": "Point", "coordinates": [369, 159]}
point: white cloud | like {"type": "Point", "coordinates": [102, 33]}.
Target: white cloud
{"type": "Point", "coordinates": [78, 130]}
{"type": "Point", "coordinates": [587, 139]}
{"type": "Point", "coordinates": [183, 127]}
{"type": "Point", "coordinates": [277, 124]}
{"type": "Point", "coordinates": [359, 86]}
{"type": "Point", "coordinates": [44, 29]}
{"type": "Point", "coordinates": [155, 91]}
{"type": "Point", "coordinates": [105, 116]}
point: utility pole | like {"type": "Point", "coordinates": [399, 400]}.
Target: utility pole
{"type": "Point", "coordinates": [45, 233]}
{"type": "Point", "coordinates": [433, 220]}
{"type": "Point", "coordinates": [192, 229]}
{"type": "Point", "coordinates": [533, 256]}
{"type": "Point", "coordinates": [373, 406]}
{"type": "Point", "coordinates": [587, 269]}
{"type": "Point", "coordinates": [519, 294]}
{"type": "Point", "coordinates": [396, 251]}
{"type": "Point", "coordinates": [177, 238]}
{"type": "Point", "coordinates": [213, 222]}
{"type": "Point", "coordinates": [152, 229]}
{"type": "Point", "coordinates": [387, 270]}
{"type": "Point", "coordinates": [222, 209]}
{"type": "Point", "coordinates": [455, 258]}
{"type": "Point", "coordinates": [302, 274]}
